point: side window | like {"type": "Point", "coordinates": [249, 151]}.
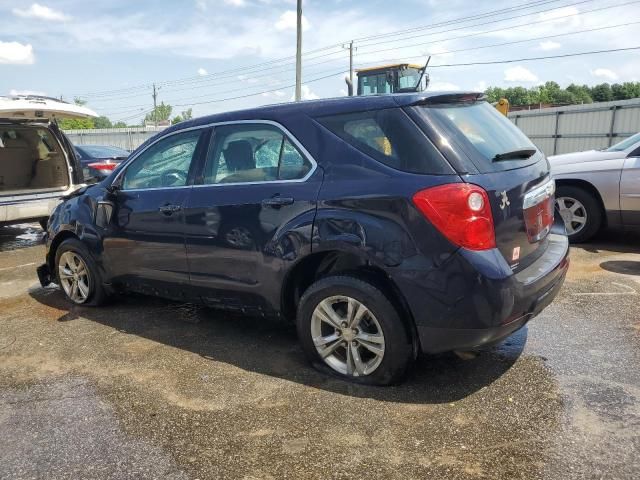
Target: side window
{"type": "Point", "coordinates": [253, 153]}
{"type": "Point", "coordinates": [165, 164]}
{"type": "Point", "coordinates": [390, 137]}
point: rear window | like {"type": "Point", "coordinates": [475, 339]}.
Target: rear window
{"type": "Point", "coordinates": [482, 132]}
{"type": "Point", "coordinates": [390, 137]}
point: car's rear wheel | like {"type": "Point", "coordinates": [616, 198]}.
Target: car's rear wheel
{"type": "Point", "coordinates": [78, 274]}
{"type": "Point", "coordinates": [351, 327]}
{"type": "Point", "coordinates": [580, 212]}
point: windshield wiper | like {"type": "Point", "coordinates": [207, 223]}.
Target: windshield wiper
{"type": "Point", "coordinates": [523, 153]}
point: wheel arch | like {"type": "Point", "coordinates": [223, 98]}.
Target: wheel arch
{"type": "Point", "coordinates": [322, 264]}
{"type": "Point", "coordinates": [55, 243]}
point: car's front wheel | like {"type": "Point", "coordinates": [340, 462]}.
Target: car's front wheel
{"type": "Point", "coordinates": [78, 274]}
{"type": "Point", "coordinates": [350, 326]}
{"type": "Point", "coordinates": [580, 212]}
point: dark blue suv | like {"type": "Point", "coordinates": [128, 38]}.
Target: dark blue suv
{"type": "Point", "coordinates": [383, 226]}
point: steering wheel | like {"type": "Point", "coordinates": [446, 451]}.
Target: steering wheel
{"type": "Point", "coordinates": [173, 176]}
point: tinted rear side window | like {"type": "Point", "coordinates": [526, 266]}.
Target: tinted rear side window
{"type": "Point", "coordinates": [390, 137]}
{"type": "Point", "coordinates": [482, 132]}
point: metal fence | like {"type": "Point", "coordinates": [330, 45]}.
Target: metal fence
{"type": "Point", "coordinates": [575, 128]}
{"type": "Point", "coordinates": [128, 138]}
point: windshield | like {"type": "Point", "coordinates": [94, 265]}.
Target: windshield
{"type": "Point", "coordinates": [625, 144]}
{"type": "Point", "coordinates": [99, 151]}
{"type": "Point", "coordinates": [409, 78]}
{"type": "Point", "coordinates": [484, 134]}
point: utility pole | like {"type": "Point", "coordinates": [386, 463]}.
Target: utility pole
{"type": "Point", "coordinates": [350, 82]}
{"type": "Point", "coordinates": [351, 62]}
{"type": "Point", "coordinates": [299, 53]}
{"type": "Point", "coordinates": [155, 106]}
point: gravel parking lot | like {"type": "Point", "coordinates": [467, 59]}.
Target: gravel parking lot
{"type": "Point", "coordinates": [146, 388]}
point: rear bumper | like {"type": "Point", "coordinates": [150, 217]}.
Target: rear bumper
{"type": "Point", "coordinates": [474, 299]}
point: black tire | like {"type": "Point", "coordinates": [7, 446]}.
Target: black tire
{"type": "Point", "coordinates": [43, 223]}
{"type": "Point", "coordinates": [398, 348]}
{"type": "Point", "coordinates": [97, 293]}
{"type": "Point", "coordinates": [592, 208]}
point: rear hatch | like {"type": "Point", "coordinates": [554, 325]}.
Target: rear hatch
{"type": "Point", "coordinates": [44, 111]}
{"type": "Point", "coordinates": [487, 150]}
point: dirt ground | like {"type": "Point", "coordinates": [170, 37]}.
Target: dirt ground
{"type": "Point", "coordinates": [146, 388]}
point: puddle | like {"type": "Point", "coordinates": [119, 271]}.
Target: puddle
{"type": "Point", "coordinates": [20, 236]}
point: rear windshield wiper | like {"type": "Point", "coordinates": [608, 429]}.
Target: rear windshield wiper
{"type": "Point", "coordinates": [523, 153]}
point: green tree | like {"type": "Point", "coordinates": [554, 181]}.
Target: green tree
{"type": "Point", "coordinates": [187, 114]}
{"type": "Point", "coordinates": [494, 94]}
{"type": "Point", "coordinates": [161, 113]}
{"type": "Point", "coordinates": [580, 93]}
{"type": "Point", "coordinates": [76, 123]}
{"type": "Point", "coordinates": [602, 93]}
{"type": "Point", "coordinates": [177, 119]}
{"type": "Point", "coordinates": [518, 96]}
{"type": "Point", "coordinates": [119, 125]}
{"type": "Point", "coordinates": [79, 101]}
{"type": "Point", "coordinates": [102, 122]}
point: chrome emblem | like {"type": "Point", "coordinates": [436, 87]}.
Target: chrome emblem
{"type": "Point", "coordinates": [505, 200]}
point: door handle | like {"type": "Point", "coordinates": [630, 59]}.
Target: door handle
{"type": "Point", "coordinates": [169, 209]}
{"type": "Point", "coordinates": [277, 201]}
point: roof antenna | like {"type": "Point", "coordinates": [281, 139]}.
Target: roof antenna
{"type": "Point", "coordinates": [425, 75]}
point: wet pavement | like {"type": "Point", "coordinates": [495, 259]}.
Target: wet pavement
{"type": "Point", "coordinates": [146, 388]}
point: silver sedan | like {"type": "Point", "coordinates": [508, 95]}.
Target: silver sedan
{"type": "Point", "coordinates": [599, 188]}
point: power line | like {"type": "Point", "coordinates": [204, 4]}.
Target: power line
{"type": "Point", "coordinates": [411, 45]}
{"type": "Point", "coordinates": [198, 79]}
{"type": "Point", "coordinates": [529, 59]}
{"type": "Point", "coordinates": [450, 22]}
{"type": "Point", "coordinates": [452, 38]}
{"type": "Point", "coordinates": [501, 29]}
{"type": "Point", "coordinates": [484, 32]}
{"type": "Point", "coordinates": [493, 62]}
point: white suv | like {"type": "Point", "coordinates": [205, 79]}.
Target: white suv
{"type": "Point", "coordinates": [38, 164]}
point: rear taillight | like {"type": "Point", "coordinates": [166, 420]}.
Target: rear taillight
{"type": "Point", "coordinates": [462, 213]}
{"type": "Point", "coordinates": [103, 166]}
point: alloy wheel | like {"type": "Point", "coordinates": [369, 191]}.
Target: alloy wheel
{"type": "Point", "coordinates": [347, 336]}
{"type": "Point", "coordinates": [74, 277]}
{"type": "Point", "coordinates": [573, 213]}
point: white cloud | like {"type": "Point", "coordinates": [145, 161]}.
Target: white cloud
{"type": "Point", "coordinates": [201, 5]}
{"type": "Point", "coordinates": [202, 71]}
{"type": "Point", "coordinates": [15, 53]}
{"type": "Point", "coordinates": [14, 92]}
{"type": "Point", "coordinates": [604, 73]}
{"type": "Point", "coordinates": [305, 93]}
{"type": "Point", "coordinates": [519, 74]}
{"type": "Point", "coordinates": [235, 3]}
{"type": "Point", "coordinates": [439, 50]}
{"type": "Point", "coordinates": [481, 86]}
{"type": "Point", "coordinates": [42, 12]}
{"type": "Point", "coordinates": [288, 21]}
{"type": "Point", "coordinates": [549, 45]}
{"type": "Point", "coordinates": [276, 93]}
{"type": "Point", "coordinates": [443, 86]}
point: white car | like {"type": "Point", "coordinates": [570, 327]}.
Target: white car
{"type": "Point", "coordinates": [599, 188]}
{"type": "Point", "coordinates": [38, 164]}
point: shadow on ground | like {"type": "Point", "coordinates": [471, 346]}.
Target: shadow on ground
{"type": "Point", "coordinates": [619, 241]}
{"type": "Point", "coordinates": [264, 346]}
{"type": "Point", "coordinates": [626, 267]}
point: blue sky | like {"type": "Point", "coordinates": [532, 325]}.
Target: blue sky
{"type": "Point", "coordinates": [111, 51]}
